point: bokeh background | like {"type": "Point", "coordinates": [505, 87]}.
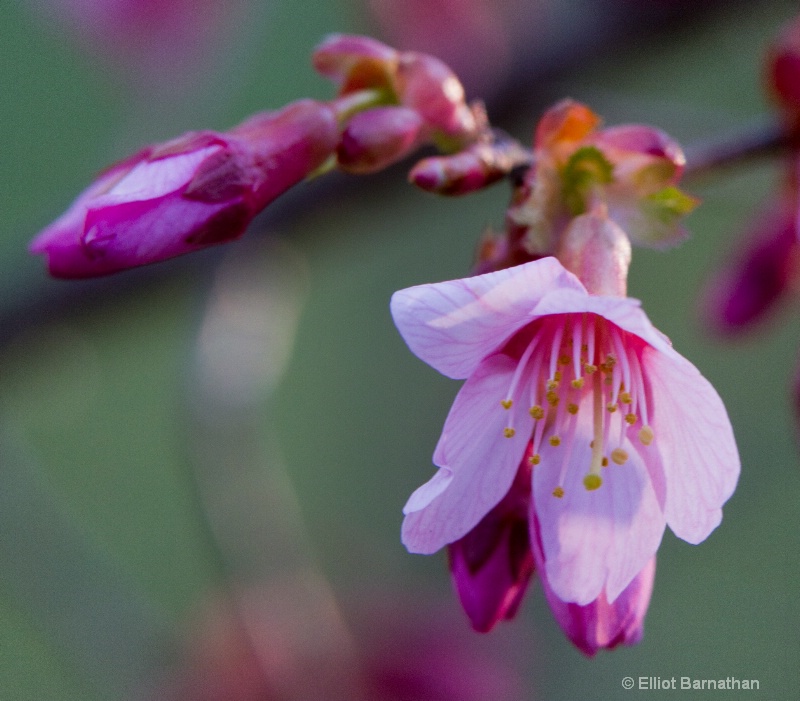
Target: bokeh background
{"type": "Point", "coordinates": [203, 463]}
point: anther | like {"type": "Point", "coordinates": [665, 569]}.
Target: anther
{"type": "Point", "coordinates": [592, 482]}
{"type": "Point", "coordinates": [563, 359]}
{"type": "Point", "coordinates": [619, 456]}
{"type": "Point", "coordinates": [509, 432]}
{"type": "Point", "coordinates": [646, 435]}
{"type": "Point", "coordinates": [604, 462]}
{"type": "Point", "coordinates": [535, 459]}
{"type": "Point", "coordinates": [552, 384]}
{"type": "Point", "coordinates": [537, 412]}
{"type": "Point", "coordinates": [558, 492]}
{"type": "Point", "coordinates": [506, 403]}
{"type": "Point", "coordinates": [572, 408]}
{"type": "Point", "coordinates": [625, 397]}
{"type": "Point", "coordinates": [611, 407]}
{"type": "Point", "coordinates": [630, 418]}
{"type": "Point", "coordinates": [589, 369]}
{"type": "Point", "coordinates": [552, 398]}
{"type": "Point", "coordinates": [555, 441]}
{"type": "Point", "coordinates": [578, 383]}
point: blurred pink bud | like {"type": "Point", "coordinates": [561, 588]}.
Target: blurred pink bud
{"type": "Point", "coordinates": [745, 291]}
{"type": "Point", "coordinates": [356, 62]}
{"type": "Point", "coordinates": [379, 137]}
{"type": "Point", "coordinates": [472, 169]}
{"type": "Point", "coordinates": [157, 39]}
{"type": "Point", "coordinates": [427, 85]}
{"type": "Point", "coordinates": [601, 625]}
{"type": "Point", "coordinates": [200, 189]}
{"type": "Point", "coordinates": [492, 565]}
{"type": "Point", "coordinates": [783, 69]}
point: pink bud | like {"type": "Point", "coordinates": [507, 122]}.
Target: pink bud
{"type": "Point", "coordinates": [601, 625]}
{"type": "Point", "coordinates": [598, 252]}
{"type": "Point", "coordinates": [492, 565]}
{"type": "Point", "coordinates": [642, 155]}
{"type": "Point", "coordinates": [472, 169]}
{"type": "Point", "coordinates": [427, 85]}
{"type": "Point", "coordinates": [199, 189]}
{"type": "Point", "coordinates": [745, 291]}
{"type": "Point", "coordinates": [356, 62]}
{"type": "Point", "coordinates": [783, 68]}
{"type": "Point", "coordinates": [379, 137]}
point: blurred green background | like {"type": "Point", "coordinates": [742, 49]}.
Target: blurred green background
{"type": "Point", "coordinates": [108, 547]}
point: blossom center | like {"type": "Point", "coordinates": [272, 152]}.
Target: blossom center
{"type": "Point", "coordinates": [573, 363]}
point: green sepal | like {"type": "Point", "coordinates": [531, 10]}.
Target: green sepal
{"type": "Point", "coordinates": [586, 168]}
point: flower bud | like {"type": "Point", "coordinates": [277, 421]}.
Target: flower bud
{"type": "Point", "coordinates": [200, 189]}
{"type": "Point", "coordinates": [748, 288]}
{"type": "Point", "coordinates": [427, 85]}
{"type": "Point", "coordinates": [598, 252]}
{"type": "Point", "coordinates": [783, 70]}
{"type": "Point", "coordinates": [356, 63]}
{"type": "Point", "coordinates": [492, 565]}
{"type": "Point", "coordinates": [601, 625]}
{"type": "Point", "coordinates": [472, 169]}
{"type": "Point", "coordinates": [379, 137]}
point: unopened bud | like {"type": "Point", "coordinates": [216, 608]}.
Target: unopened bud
{"type": "Point", "coordinates": [597, 250]}
{"type": "Point", "coordinates": [356, 63]}
{"type": "Point", "coordinates": [474, 168]}
{"type": "Point", "coordinates": [783, 69]}
{"type": "Point", "coordinates": [428, 86]}
{"type": "Point", "coordinates": [379, 137]}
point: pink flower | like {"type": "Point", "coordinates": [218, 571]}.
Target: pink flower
{"type": "Point", "coordinates": [200, 189]}
{"type": "Point", "coordinates": [625, 435]}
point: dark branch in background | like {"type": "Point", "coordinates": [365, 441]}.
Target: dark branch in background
{"type": "Point", "coordinates": [761, 140]}
{"type": "Point", "coordinates": [605, 25]}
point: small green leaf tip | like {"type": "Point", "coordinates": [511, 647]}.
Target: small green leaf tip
{"type": "Point", "coordinates": [586, 168]}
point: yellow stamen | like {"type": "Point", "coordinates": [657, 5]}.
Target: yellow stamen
{"type": "Point", "coordinates": [552, 385]}
{"type": "Point", "coordinates": [578, 382]}
{"type": "Point", "coordinates": [630, 418]}
{"type": "Point", "coordinates": [509, 432]}
{"type": "Point", "coordinates": [590, 369]}
{"type": "Point", "coordinates": [552, 398]}
{"type": "Point", "coordinates": [572, 408]}
{"type": "Point", "coordinates": [506, 403]}
{"type": "Point", "coordinates": [564, 359]}
{"type": "Point", "coordinates": [535, 459]}
{"type": "Point", "coordinates": [537, 412]}
{"type": "Point", "coordinates": [611, 407]}
{"type": "Point", "coordinates": [625, 397]}
{"type": "Point", "coordinates": [557, 375]}
{"type": "Point", "coordinates": [592, 482]}
{"type": "Point", "coordinates": [604, 462]}
{"type": "Point", "coordinates": [555, 441]}
{"type": "Point", "coordinates": [619, 456]}
{"type": "Point", "coordinates": [646, 435]}
{"type": "Point", "coordinates": [558, 492]}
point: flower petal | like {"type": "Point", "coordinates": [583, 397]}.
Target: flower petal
{"type": "Point", "coordinates": [625, 312]}
{"type": "Point", "coordinates": [478, 463]}
{"type": "Point", "coordinates": [454, 325]}
{"type": "Point", "coordinates": [694, 438]}
{"type": "Point", "coordinates": [594, 541]}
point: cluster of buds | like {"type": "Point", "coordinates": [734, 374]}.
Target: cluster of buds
{"type": "Point", "coordinates": [205, 188]}
{"type": "Point", "coordinates": [619, 182]}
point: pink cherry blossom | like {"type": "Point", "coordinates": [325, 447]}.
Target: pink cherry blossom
{"type": "Point", "coordinates": [200, 189]}
{"type": "Point", "coordinates": [626, 436]}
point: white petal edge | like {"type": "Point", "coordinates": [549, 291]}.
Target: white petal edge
{"type": "Point", "coordinates": [454, 325]}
